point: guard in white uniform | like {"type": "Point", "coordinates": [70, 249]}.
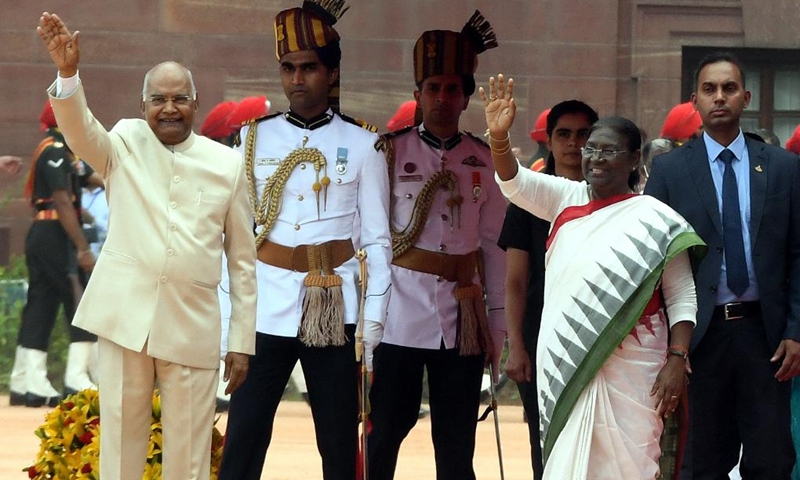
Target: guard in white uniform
{"type": "Point", "coordinates": [312, 173]}
{"type": "Point", "coordinates": [447, 267]}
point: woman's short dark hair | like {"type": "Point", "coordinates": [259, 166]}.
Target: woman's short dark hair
{"type": "Point", "coordinates": [633, 135]}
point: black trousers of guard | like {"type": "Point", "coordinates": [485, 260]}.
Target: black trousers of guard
{"type": "Point", "coordinates": [331, 375]}
{"type": "Point", "coordinates": [454, 384]}
{"type": "Point", "coordinates": [734, 399]}
{"type": "Point", "coordinates": [50, 259]}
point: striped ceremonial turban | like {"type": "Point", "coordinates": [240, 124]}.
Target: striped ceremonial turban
{"type": "Point", "coordinates": [442, 52]}
{"type": "Point", "coordinates": [308, 28]}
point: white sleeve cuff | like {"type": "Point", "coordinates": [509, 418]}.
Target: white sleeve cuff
{"type": "Point", "coordinates": [66, 86]}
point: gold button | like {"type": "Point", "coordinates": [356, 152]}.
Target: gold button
{"type": "Point", "coordinates": [296, 226]}
{"type": "Point", "coordinates": [300, 198]}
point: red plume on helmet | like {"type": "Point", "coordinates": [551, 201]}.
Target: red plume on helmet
{"type": "Point", "coordinates": [539, 130]}
{"type": "Point", "coordinates": [793, 144]}
{"type": "Point", "coordinates": [47, 118]}
{"type": "Point", "coordinates": [216, 123]}
{"type": "Point", "coordinates": [249, 108]}
{"type": "Point", "coordinates": [403, 117]}
{"type": "Point", "coordinates": [681, 123]}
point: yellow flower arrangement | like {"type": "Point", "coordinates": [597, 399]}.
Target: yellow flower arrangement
{"type": "Point", "coordinates": [70, 442]}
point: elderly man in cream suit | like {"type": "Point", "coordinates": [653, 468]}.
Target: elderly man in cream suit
{"type": "Point", "coordinates": [152, 298]}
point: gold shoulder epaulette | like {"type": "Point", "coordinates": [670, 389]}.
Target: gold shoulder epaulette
{"type": "Point", "coordinates": [380, 145]}
{"type": "Point", "coordinates": [361, 123]}
{"type": "Point", "coordinates": [265, 117]}
{"type": "Point", "coordinates": [237, 140]}
{"type": "Point", "coordinates": [399, 132]}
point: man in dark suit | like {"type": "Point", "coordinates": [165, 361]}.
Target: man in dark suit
{"type": "Point", "coordinates": [743, 198]}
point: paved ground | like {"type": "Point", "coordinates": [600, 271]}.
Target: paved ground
{"type": "Point", "coordinates": [293, 453]}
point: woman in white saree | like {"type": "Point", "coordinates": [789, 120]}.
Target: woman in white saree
{"type": "Point", "coordinates": [619, 305]}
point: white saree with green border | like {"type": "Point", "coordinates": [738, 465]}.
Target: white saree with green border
{"type": "Point", "coordinates": [598, 356]}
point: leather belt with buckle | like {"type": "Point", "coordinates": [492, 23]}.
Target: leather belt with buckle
{"type": "Point", "coordinates": [737, 310]}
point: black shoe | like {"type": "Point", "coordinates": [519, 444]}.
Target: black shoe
{"type": "Point", "coordinates": [222, 405]}
{"type": "Point", "coordinates": [35, 401]}
{"type": "Point", "coordinates": [16, 399]}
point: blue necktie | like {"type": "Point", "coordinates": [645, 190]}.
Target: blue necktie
{"type": "Point", "coordinates": [735, 262]}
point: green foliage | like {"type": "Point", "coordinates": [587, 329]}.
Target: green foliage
{"type": "Point", "coordinates": [14, 190]}
{"type": "Point", "coordinates": [12, 301]}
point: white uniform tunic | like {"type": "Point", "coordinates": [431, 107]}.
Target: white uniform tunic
{"type": "Point", "coordinates": [359, 187]}
{"type": "Point", "coordinates": [423, 310]}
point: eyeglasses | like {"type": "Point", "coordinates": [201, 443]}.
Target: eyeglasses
{"type": "Point", "coordinates": [159, 100]}
{"type": "Point", "coordinates": [605, 153]}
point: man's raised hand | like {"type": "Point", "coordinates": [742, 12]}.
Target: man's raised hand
{"type": "Point", "coordinates": [62, 45]}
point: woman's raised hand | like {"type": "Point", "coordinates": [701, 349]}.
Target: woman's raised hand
{"type": "Point", "coordinates": [499, 106]}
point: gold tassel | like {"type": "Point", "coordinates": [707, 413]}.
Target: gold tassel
{"type": "Point", "coordinates": [335, 315]}
{"type": "Point", "coordinates": [322, 324]}
{"type": "Point", "coordinates": [313, 312]}
{"type": "Point", "coordinates": [468, 337]}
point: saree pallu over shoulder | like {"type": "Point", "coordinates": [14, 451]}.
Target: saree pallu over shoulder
{"type": "Point", "coordinates": [605, 260]}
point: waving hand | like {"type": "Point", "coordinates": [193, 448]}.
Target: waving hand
{"type": "Point", "coordinates": [500, 111]}
{"type": "Point", "coordinates": [499, 106]}
{"type": "Point", "coordinates": [62, 45]}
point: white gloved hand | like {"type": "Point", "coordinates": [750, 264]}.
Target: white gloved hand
{"type": "Point", "coordinates": [373, 334]}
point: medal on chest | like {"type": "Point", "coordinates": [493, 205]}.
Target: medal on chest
{"type": "Point", "coordinates": [476, 186]}
{"type": "Point", "coordinates": [341, 161]}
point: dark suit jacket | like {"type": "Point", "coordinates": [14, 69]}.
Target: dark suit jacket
{"type": "Point", "coordinates": [682, 179]}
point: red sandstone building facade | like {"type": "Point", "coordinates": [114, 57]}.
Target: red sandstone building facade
{"type": "Point", "coordinates": [630, 57]}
